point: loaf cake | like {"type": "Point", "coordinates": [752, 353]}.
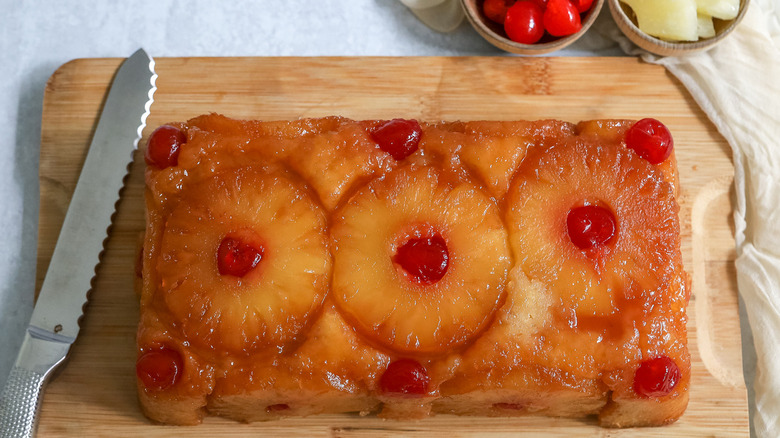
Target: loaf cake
{"type": "Point", "coordinates": [406, 269]}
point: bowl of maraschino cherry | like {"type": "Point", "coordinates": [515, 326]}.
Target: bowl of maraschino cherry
{"type": "Point", "coordinates": [531, 27]}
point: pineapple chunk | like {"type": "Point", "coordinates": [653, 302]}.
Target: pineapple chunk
{"type": "Point", "coordinates": [673, 20]}
{"type": "Point", "coordinates": [723, 9]}
{"type": "Point", "coordinates": [706, 27]}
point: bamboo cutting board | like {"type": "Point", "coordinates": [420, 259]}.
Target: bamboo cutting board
{"type": "Point", "coordinates": [94, 395]}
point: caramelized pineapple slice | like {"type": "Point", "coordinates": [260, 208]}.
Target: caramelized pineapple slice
{"type": "Point", "coordinates": [628, 263]}
{"type": "Point", "coordinates": [244, 261]}
{"type": "Point", "coordinates": [420, 260]}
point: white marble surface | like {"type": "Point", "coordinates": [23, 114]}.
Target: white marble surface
{"type": "Point", "coordinates": [39, 36]}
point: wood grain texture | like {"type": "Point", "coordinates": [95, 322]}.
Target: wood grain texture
{"type": "Point", "coordinates": [95, 393]}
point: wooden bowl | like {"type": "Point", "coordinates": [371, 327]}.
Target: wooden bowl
{"type": "Point", "coordinates": [495, 35]}
{"type": "Point", "coordinates": [626, 21]}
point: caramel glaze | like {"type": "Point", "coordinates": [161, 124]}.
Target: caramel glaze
{"type": "Point", "coordinates": [533, 342]}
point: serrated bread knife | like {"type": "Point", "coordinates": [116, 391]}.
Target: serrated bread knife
{"type": "Point", "coordinates": [55, 320]}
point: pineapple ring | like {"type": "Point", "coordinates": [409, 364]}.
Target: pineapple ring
{"type": "Point", "coordinates": [273, 302]}
{"type": "Point", "coordinates": [381, 300]}
{"type": "Point", "coordinates": [627, 276]}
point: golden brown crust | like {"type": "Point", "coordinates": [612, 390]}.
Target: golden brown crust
{"type": "Point", "coordinates": [530, 358]}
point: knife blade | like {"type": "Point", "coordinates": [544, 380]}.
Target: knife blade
{"type": "Point", "coordinates": [54, 325]}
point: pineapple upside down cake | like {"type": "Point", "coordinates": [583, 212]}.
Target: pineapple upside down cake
{"type": "Point", "coordinates": [405, 269]}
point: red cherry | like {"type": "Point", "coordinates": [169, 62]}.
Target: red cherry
{"type": "Point", "coordinates": [398, 137]}
{"type": "Point", "coordinates": [561, 18]}
{"type": "Point", "coordinates": [524, 22]}
{"type": "Point", "coordinates": [162, 149]}
{"type": "Point", "coordinates": [590, 226]}
{"type": "Point", "coordinates": [495, 10]}
{"type": "Point", "coordinates": [656, 377]}
{"type": "Point", "coordinates": [651, 140]}
{"type": "Point", "coordinates": [160, 368]}
{"type": "Point", "coordinates": [237, 258]}
{"type": "Point", "coordinates": [425, 259]}
{"type": "Point", "coordinates": [582, 6]}
{"type": "Point", "coordinates": [405, 376]}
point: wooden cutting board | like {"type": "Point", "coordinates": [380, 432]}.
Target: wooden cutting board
{"type": "Point", "coordinates": [94, 395]}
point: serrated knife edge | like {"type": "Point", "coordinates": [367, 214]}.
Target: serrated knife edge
{"type": "Point", "coordinates": [56, 314]}
{"type": "Point", "coordinates": [55, 320]}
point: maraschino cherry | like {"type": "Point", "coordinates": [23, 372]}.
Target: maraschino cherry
{"type": "Point", "coordinates": [495, 10]}
{"type": "Point", "coordinates": [591, 226]}
{"type": "Point", "coordinates": [405, 377]}
{"type": "Point", "coordinates": [159, 368]}
{"type": "Point", "coordinates": [582, 6]}
{"type": "Point", "coordinates": [398, 137]}
{"type": "Point", "coordinates": [236, 257]}
{"type": "Point", "coordinates": [650, 139]}
{"type": "Point", "coordinates": [561, 18]}
{"type": "Point", "coordinates": [425, 259]}
{"type": "Point", "coordinates": [162, 149]}
{"type": "Point", "coordinates": [656, 377]}
{"type": "Point", "coordinates": [524, 22]}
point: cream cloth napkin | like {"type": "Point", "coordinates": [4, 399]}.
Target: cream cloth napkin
{"type": "Point", "coordinates": [737, 84]}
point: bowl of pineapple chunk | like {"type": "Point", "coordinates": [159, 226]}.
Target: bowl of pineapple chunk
{"type": "Point", "coordinates": [677, 27]}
